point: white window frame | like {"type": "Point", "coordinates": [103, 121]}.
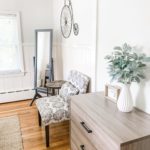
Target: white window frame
{"type": "Point", "coordinates": [20, 51]}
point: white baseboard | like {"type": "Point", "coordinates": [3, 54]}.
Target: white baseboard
{"type": "Point", "coordinates": [16, 96]}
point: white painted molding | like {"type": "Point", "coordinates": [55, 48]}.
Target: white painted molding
{"type": "Point", "coordinates": [73, 46]}
{"type": "Point", "coordinates": [28, 44]}
{"type": "Point", "coordinates": [16, 96]}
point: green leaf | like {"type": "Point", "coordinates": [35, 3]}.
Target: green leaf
{"type": "Point", "coordinates": [126, 66]}
{"type": "Point", "coordinates": [108, 57]}
{"type": "Point", "coordinates": [117, 48]}
{"type": "Point", "coordinates": [126, 47]}
{"type": "Point", "coordinates": [137, 79]}
{"type": "Point", "coordinates": [141, 76]}
{"type": "Point", "coordinates": [142, 65]}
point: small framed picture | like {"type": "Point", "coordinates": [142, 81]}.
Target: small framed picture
{"type": "Point", "coordinates": [112, 92]}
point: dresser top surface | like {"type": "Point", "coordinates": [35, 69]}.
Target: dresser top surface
{"type": "Point", "coordinates": [120, 127]}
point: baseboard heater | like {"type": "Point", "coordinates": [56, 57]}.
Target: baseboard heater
{"type": "Point", "coordinates": [15, 91]}
{"type": "Point", "coordinates": [17, 95]}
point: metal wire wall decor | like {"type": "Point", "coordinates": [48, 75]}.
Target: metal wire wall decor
{"type": "Point", "coordinates": [67, 20]}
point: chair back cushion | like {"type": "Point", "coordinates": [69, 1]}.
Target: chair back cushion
{"type": "Point", "coordinates": [68, 90]}
{"type": "Point", "coordinates": [79, 80]}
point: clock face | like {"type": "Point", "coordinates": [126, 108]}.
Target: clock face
{"type": "Point", "coordinates": [66, 21]}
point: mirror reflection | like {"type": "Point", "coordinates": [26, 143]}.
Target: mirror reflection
{"type": "Point", "coordinates": [43, 62]}
{"type": "Point", "coordinates": [44, 56]}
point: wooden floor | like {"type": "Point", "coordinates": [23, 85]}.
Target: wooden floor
{"type": "Point", "coordinates": [32, 134]}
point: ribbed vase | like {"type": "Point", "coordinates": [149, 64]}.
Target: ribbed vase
{"type": "Point", "coordinates": [125, 102]}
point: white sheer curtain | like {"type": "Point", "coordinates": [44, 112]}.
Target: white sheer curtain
{"type": "Point", "coordinates": [9, 44]}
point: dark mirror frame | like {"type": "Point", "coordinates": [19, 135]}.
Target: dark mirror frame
{"type": "Point", "coordinates": [39, 90]}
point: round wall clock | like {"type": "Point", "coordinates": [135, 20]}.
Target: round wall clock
{"type": "Point", "coordinates": [67, 21]}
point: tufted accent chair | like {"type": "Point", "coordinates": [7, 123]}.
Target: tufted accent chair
{"type": "Point", "coordinates": [79, 80]}
{"type": "Point", "coordinates": [55, 109]}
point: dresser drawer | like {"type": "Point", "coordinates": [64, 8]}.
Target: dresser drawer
{"type": "Point", "coordinates": [73, 145]}
{"type": "Point", "coordinates": [88, 128]}
{"type": "Point", "coordinates": [78, 140]}
{"type": "Point", "coordinates": [111, 129]}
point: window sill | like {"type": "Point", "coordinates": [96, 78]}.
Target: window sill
{"type": "Point", "coordinates": [11, 74]}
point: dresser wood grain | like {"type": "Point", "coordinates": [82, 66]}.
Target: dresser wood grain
{"type": "Point", "coordinates": [110, 129]}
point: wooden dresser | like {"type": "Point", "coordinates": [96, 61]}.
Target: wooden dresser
{"type": "Point", "coordinates": [96, 124]}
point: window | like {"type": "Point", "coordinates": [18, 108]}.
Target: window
{"type": "Point", "coordinates": [11, 56]}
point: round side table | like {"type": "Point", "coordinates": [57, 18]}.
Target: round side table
{"type": "Point", "coordinates": [55, 85]}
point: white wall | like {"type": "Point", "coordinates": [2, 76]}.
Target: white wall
{"type": "Point", "coordinates": [122, 21]}
{"type": "Point", "coordinates": [35, 14]}
{"type": "Point", "coordinates": [77, 52]}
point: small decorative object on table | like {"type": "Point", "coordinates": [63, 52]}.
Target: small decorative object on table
{"type": "Point", "coordinates": [112, 92]}
{"type": "Point", "coordinates": [126, 66]}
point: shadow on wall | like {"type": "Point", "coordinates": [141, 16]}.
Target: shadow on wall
{"type": "Point", "coordinates": [59, 57]}
{"type": "Point", "coordinates": [139, 90]}
{"type": "Point", "coordinates": [89, 86]}
{"type": "Point", "coordinates": [140, 96]}
{"type": "Point", "coordinates": [140, 100]}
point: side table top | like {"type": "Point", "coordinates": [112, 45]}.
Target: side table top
{"type": "Point", "coordinates": [55, 84]}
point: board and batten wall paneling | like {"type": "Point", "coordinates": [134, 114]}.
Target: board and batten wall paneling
{"type": "Point", "coordinates": [120, 22]}
{"type": "Point", "coordinates": [76, 52]}
{"type": "Point", "coordinates": [80, 58]}
{"type": "Point", "coordinates": [57, 61]}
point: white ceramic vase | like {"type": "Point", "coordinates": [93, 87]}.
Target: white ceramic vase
{"type": "Point", "coordinates": [125, 102]}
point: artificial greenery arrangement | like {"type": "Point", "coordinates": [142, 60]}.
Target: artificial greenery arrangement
{"type": "Point", "coordinates": [125, 65]}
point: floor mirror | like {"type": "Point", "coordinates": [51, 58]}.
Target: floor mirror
{"type": "Point", "coordinates": [43, 61]}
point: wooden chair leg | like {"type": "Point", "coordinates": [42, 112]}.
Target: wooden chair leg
{"type": "Point", "coordinates": [47, 135]}
{"type": "Point", "coordinates": [39, 118]}
{"type": "Point", "coordinates": [53, 91]}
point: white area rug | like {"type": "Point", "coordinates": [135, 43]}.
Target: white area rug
{"type": "Point", "coordinates": [10, 134]}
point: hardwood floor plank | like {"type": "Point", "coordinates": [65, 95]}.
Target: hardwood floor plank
{"type": "Point", "coordinates": [33, 135]}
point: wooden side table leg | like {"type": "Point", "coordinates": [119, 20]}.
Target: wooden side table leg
{"type": "Point", "coordinates": [47, 91]}
{"type": "Point", "coordinates": [53, 91]}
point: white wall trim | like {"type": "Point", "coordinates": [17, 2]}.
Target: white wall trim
{"type": "Point", "coordinates": [16, 96]}
{"type": "Point", "coordinates": [73, 46]}
{"type": "Point", "coordinates": [28, 44]}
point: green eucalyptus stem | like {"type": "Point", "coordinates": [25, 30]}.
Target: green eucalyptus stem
{"type": "Point", "coordinates": [126, 66]}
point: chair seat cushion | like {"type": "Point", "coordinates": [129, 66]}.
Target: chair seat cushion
{"type": "Point", "coordinates": [53, 109]}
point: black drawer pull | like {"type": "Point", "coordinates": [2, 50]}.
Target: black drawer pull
{"type": "Point", "coordinates": [85, 127]}
{"type": "Point", "coordinates": [82, 147]}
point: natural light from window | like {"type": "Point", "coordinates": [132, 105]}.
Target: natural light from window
{"type": "Point", "coordinates": [11, 60]}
